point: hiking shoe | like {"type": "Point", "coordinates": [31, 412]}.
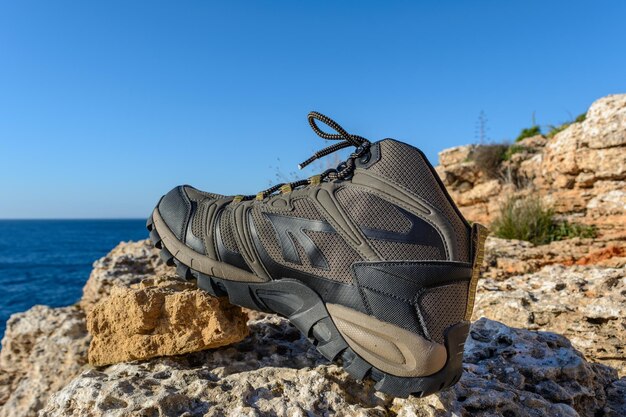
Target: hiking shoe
{"type": "Point", "coordinates": [371, 260]}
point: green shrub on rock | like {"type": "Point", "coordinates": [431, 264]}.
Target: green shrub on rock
{"type": "Point", "coordinates": [528, 219]}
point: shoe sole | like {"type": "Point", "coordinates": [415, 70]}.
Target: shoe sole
{"type": "Point", "coordinates": [306, 310]}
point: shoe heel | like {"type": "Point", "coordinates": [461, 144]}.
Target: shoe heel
{"type": "Point", "coordinates": [411, 337]}
{"type": "Point", "coordinates": [402, 363]}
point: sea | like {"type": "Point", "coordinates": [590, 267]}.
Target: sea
{"type": "Point", "coordinates": [49, 261]}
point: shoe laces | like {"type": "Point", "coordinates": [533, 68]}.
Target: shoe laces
{"type": "Point", "coordinates": [343, 171]}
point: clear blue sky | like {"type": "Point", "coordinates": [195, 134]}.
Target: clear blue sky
{"type": "Point", "coordinates": [104, 106]}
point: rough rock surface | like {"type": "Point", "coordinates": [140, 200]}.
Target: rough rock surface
{"type": "Point", "coordinates": [277, 372]}
{"type": "Point", "coordinates": [580, 172]}
{"type": "Point", "coordinates": [505, 258]}
{"type": "Point", "coordinates": [160, 317]}
{"type": "Point", "coordinates": [586, 304]}
{"type": "Point", "coordinates": [128, 263]}
{"type": "Point", "coordinates": [42, 350]}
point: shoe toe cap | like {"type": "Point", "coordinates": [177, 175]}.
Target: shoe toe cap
{"type": "Point", "coordinates": [175, 210]}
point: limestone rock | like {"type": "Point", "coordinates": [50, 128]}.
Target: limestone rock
{"type": "Point", "coordinates": [533, 142]}
{"type": "Point", "coordinates": [612, 202]}
{"type": "Point", "coordinates": [609, 164]}
{"type": "Point", "coordinates": [480, 193]}
{"type": "Point", "coordinates": [42, 350]}
{"type": "Point", "coordinates": [277, 372]}
{"type": "Point", "coordinates": [160, 317]}
{"type": "Point", "coordinates": [505, 258]}
{"type": "Point", "coordinates": [560, 152]}
{"type": "Point", "coordinates": [586, 304]}
{"type": "Point", "coordinates": [456, 155]}
{"type": "Point", "coordinates": [480, 212]}
{"type": "Point", "coordinates": [457, 174]}
{"type": "Point", "coordinates": [128, 263]}
{"type": "Point", "coordinates": [606, 122]}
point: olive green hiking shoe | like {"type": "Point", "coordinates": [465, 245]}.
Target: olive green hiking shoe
{"type": "Point", "coordinates": [372, 260]}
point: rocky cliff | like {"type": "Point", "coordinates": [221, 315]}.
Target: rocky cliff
{"type": "Point", "coordinates": [548, 339]}
{"type": "Point", "coordinates": [580, 172]}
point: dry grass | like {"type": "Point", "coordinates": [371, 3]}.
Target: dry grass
{"type": "Point", "coordinates": [488, 158]}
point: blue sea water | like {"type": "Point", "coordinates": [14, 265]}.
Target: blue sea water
{"type": "Point", "coordinates": [49, 261]}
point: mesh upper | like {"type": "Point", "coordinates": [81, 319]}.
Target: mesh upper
{"type": "Point", "coordinates": [197, 222]}
{"type": "Point", "coordinates": [368, 210]}
{"type": "Point", "coordinates": [405, 165]}
{"type": "Point", "coordinates": [339, 255]}
{"type": "Point", "coordinates": [442, 307]}
{"type": "Point", "coordinates": [394, 251]}
{"type": "Point", "coordinates": [226, 229]}
{"type": "Point", "coordinates": [201, 198]}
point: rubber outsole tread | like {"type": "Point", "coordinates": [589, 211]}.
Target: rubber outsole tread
{"type": "Point", "coordinates": [315, 323]}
